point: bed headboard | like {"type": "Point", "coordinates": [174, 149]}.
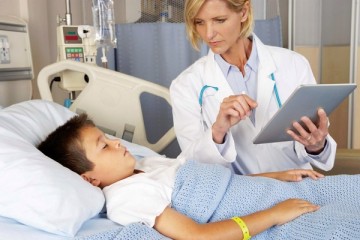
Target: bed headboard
{"type": "Point", "coordinates": [113, 100]}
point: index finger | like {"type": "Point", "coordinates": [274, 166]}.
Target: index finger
{"type": "Point", "coordinates": [323, 122]}
{"type": "Point", "coordinates": [251, 102]}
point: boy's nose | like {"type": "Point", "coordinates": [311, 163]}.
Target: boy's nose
{"type": "Point", "coordinates": [117, 144]}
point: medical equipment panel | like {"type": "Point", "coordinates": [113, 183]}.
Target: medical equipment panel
{"type": "Point", "coordinates": [15, 52]}
{"type": "Point", "coordinates": [70, 44]}
{"type": "Point", "coordinates": [76, 43]}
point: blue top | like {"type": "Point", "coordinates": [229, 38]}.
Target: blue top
{"type": "Point", "coordinates": [236, 80]}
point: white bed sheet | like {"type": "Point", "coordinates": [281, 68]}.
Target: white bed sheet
{"type": "Point", "coordinates": [12, 230]}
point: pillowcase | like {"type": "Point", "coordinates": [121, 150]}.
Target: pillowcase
{"type": "Point", "coordinates": [36, 190]}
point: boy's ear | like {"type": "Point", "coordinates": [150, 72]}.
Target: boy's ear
{"type": "Point", "coordinates": [95, 182]}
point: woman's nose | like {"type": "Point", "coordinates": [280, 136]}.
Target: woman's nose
{"type": "Point", "coordinates": [210, 32]}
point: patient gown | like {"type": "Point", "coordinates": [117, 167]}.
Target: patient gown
{"type": "Point", "coordinates": [209, 192]}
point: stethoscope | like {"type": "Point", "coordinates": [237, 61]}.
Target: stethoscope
{"type": "Point", "coordinates": [276, 91]}
{"type": "Point", "coordinates": [205, 87]}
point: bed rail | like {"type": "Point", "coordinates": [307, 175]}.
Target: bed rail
{"type": "Point", "coordinates": [112, 100]}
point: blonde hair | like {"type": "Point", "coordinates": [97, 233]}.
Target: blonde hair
{"type": "Point", "coordinates": [192, 8]}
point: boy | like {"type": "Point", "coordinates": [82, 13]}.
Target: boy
{"type": "Point", "coordinates": [167, 195]}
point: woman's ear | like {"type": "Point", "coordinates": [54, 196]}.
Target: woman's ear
{"type": "Point", "coordinates": [95, 182]}
{"type": "Point", "coordinates": [245, 12]}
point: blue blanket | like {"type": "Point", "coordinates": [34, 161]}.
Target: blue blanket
{"type": "Point", "coordinates": [210, 193]}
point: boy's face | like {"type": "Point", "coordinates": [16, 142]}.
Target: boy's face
{"type": "Point", "coordinates": [112, 161]}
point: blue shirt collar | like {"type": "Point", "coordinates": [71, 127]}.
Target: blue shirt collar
{"type": "Point", "coordinates": [252, 62]}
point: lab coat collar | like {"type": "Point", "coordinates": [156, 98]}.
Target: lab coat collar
{"type": "Point", "coordinates": [215, 77]}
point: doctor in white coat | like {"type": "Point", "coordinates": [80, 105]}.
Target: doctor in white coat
{"type": "Point", "coordinates": [222, 101]}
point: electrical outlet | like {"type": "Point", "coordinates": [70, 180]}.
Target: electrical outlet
{"type": "Point", "coordinates": [4, 50]}
{"type": "Point", "coordinates": [90, 59]}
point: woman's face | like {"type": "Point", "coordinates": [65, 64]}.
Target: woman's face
{"type": "Point", "coordinates": [218, 26]}
{"type": "Point", "coordinates": [112, 161]}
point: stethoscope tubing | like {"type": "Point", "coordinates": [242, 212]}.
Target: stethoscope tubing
{"type": "Point", "coordinates": [202, 93]}
{"type": "Point", "coordinates": [216, 88]}
{"type": "Point", "coordinates": [276, 91]}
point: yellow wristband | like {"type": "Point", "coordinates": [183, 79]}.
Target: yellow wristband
{"type": "Point", "coordinates": [243, 227]}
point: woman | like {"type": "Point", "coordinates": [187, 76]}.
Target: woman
{"type": "Point", "coordinates": [224, 99]}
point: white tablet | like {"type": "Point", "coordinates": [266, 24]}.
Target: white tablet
{"type": "Point", "coordinates": [304, 101]}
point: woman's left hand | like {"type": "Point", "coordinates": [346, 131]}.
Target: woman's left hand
{"type": "Point", "coordinates": [292, 175]}
{"type": "Point", "coordinates": [314, 138]}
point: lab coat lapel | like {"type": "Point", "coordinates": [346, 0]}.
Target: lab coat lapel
{"type": "Point", "coordinates": [214, 77]}
{"type": "Point", "coordinates": [264, 93]}
{"type": "Point", "coordinates": [265, 85]}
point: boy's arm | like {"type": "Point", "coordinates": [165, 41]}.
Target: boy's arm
{"type": "Point", "coordinates": [178, 226]}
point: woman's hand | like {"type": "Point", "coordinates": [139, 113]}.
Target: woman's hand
{"type": "Point", "coordinates": [314, 138]}
{"type": "Point", "coordinates": [233, 109]}
{"type": "Point", "coordinates": [295, 175]}
{"type": "Point", "coordinates": [290, 209]}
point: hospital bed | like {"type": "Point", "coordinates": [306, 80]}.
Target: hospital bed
{"type": "Point", "coordinates": [43, 200]}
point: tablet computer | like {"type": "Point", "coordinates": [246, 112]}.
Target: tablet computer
{"type": "Point", "coordinates": [304, 101]}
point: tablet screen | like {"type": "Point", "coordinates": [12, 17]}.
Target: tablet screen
{"type": "Point", "coordinates": [304, 101]}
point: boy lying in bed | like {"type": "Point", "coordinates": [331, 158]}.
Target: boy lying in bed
{"type": "Point", "coordinates": [167, 194]}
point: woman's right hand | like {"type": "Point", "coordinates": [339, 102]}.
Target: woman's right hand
{"type": "Point", "coordinates": [290, 209]}
{"type": "Point", "coordinates": [233, 109]}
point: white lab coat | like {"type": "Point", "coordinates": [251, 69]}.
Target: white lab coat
{"type": "Point", "coordinates": [195, 139]}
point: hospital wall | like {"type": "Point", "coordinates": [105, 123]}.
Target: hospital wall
{"type": "Point", "coordinates": [41, 18]}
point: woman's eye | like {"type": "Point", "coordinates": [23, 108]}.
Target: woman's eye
{"type": "Point", "coordinates": [220, 20]}
{"type": "Point", "coordinates": [198, 22]}
{"type": "Point", "coordinates": [105, 146]}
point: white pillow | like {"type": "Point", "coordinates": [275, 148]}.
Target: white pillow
{"type": "Point", "coordinates": [36, 190]}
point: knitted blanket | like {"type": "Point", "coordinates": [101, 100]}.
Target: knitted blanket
{"type": "Point", "coordinates": [209, 193]}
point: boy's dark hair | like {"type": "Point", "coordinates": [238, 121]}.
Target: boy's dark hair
{"type": "Point", "coordinates": [64, 145]}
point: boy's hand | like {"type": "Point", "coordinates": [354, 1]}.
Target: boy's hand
{"type": "Point", "coordinates": [290, 209]}
{"type": "Point", "coordinates": [292, 175]}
